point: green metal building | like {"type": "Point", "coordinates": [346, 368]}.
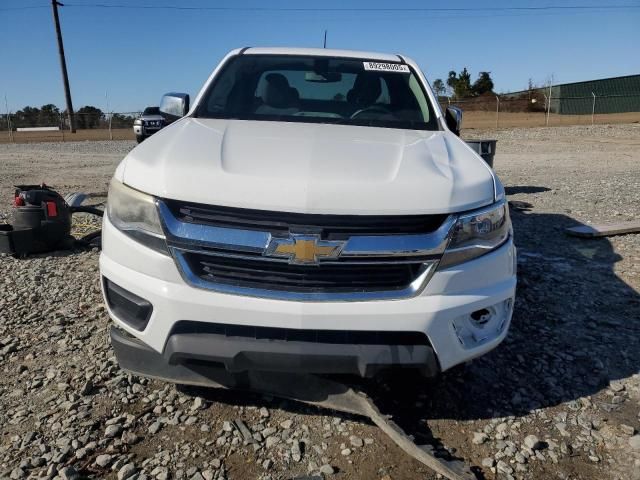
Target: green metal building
{"type": "Point", "coordinates": [612, 95]}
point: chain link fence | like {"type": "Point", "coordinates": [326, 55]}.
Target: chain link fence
{"type": "Point", "coordinates": [530, 109]}
{"type": "Point", "coordinates": [537, 109]}
{"type": "Point", "coordinates": [33, 125]}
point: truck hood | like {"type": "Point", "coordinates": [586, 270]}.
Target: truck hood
{"type": "Point", "coordinates": [310, 168]}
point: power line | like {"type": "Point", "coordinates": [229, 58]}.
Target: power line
{"type": "Point", "coordinates": [23, 8]}
{"type": "Point", "coordinates": [342, 9]}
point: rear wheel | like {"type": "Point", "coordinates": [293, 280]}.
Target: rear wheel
{"type": "Point", "coordinates": [140, 138]}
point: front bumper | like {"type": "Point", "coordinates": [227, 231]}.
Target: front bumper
{"type": "Point", "coordinates": [141, 130]}
{"type": "Point", "coordinates": [440, 312]}
{"type": "Point", "coordinates": [238, 354]}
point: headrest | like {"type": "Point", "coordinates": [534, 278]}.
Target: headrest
{"type": "Point", "coordinates": [277, 92]}
{"type": "Point", "coordinates": [366, 90]}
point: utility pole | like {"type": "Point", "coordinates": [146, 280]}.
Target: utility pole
{"type": "Point", "coordinates": [63, 65]}
{"type": "Point", "coordinates": [324, 45]}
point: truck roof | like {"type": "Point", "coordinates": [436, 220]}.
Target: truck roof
{"type": "Point", "coordinates": [322, 52]}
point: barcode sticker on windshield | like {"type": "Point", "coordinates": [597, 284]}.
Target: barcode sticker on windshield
{"type": "Point", "coordinates": [386, 67]}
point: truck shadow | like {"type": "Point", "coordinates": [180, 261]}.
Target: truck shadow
{"type": "Point", "coordinates": [575, 330]}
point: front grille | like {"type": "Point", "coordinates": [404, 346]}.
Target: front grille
{"type": "Point", "coordinates": [282, 276]}
{"type": "Point", "coordinates": [330, 227]}
{"type": "Point", "coordinates": [342, 337]}
{"type": "Point", "coordinates": [232, 250]}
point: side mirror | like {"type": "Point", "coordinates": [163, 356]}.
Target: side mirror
{"type": "Point", "coordinates": [174, 105]}
{"type": "Point", "coordinates": [453, 119]}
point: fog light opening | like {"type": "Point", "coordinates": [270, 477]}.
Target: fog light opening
{"type": "Point", "coordinates": [483, 325]}
{"type": "Point", "coordinates": [481, 317]}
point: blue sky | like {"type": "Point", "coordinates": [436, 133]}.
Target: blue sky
{"type": "Point", "coordinates": [135, 55]}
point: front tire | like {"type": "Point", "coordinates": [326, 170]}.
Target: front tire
{"type": "Point", "coordinates": [140, 138]}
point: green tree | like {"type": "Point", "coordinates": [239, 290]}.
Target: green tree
{"type": "Point", "coordinates": [49, 115]}
{"type": "Point", "coordinates": [438, 87]}
{"type": "Point", "coordinates": [460, 84]}
{"type": "Point", "coordinates": [452, 79]}
{"type": "Point", "coordinates": [484, 84]}
{"type": "Point", "coordinates": [121, 121]}
{"type": "Point", "coordinates": [27, 117]}
{"type": "Point", "coordinates": [88, 117]}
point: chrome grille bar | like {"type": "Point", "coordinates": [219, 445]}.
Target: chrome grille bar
{"type": "Point", "coordinates": [191, 235]}
{"type": "Point", "coordinates": [192, 244]}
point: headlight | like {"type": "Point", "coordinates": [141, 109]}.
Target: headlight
{"type": "Point", "coordinates": [135, 214]}
{"type": "Point", "coordinates": [477, 233]}
{"type": "Point", "coordinates": [137, 121]}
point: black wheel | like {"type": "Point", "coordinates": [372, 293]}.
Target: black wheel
{"type": "Point", "coordinates": [140, 138]}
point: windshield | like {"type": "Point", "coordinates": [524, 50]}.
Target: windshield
{"type": "Point", "coordinates": [318, 89]}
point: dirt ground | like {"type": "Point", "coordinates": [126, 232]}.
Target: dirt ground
{"type": "Point", "coordinates": [472, 120]}
{"type": "Point", "coordinates": [568, 374]}
{"type": "Point", "coordinates": [66, 136]}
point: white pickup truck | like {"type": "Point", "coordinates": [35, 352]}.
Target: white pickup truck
{"type": "Point", "coordinates": [314, 211]}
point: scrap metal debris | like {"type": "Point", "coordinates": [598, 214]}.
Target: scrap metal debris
{"type": "Point", "coordinates": [325, 393]}
{"type": "Point", "coordinates": [604, 230]}
{"type": "Point", "coordinates": [520, 206]}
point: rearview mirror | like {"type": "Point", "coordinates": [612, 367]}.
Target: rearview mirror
{"type": "Point", "coordinates": [174, 105]}
{"type": "Point", "coordinates": [325, 77]}
{"type": "Point", "coordinates": [453, 119]}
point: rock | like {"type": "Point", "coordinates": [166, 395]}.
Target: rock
{"type": "Point", "coordinates": [532, 442]}
{"type": "Point", "coordinates": [68, 473]}
{"type": "Point", "coordinates": [346, 452]}
{"type": "Point", "coordinates": [264, 413]}
{"type": "Point", "coordinates": [128, 470]}
{"type": "Point", "coordinates": [502, 427]}
{"type": "Point", "coordinates": [103, 460]}
{"type": "Point", "coordinates": [627, 429]}
{"type": "Point", "coordinates": [113, 430]}
{"type": "Point", "coordinates": [488, 462]}
{"type": "Point", "coordinates": [155, 428]}
{"type": "Point", "coordinates": [504, 467]}
{"type": "Point", "coordinates": [18, 473]}
{"type": "Point", "coordinates": [160, 473]}
{"type": "Point", "coordinates": [129, 438]}
{"type": "Point", "coordinates": [272, 441]}
{"type": "Point", "coordinates": [198, 404]}
{"type": "Point", "coordinates": [208, 475]}
{"type": "Point", "coordinates": [327, 469]}
{"type": "Point", "coordinates": [356, 441]}
{"type": "Point", "coordinates": [296, 452]}
{"type": "Point", "coordinates": [634, 442]}
{"type": "Point", "coordinates": [286, 424]}
{"type": "Point", "coordinates": [87, 388]}
{"type": "Point", "coordinates": [479, 438]}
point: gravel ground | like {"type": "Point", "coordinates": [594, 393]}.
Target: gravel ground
{"type": "Point", "coordinates": [560, 398]}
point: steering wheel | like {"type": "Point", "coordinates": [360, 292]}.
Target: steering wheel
{"type": "Point", "coordinates": [372, 108]}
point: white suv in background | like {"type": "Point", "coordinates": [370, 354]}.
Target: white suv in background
{"type": "Point", "coordinates": [313, 211]}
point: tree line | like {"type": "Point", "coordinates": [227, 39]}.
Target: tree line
{"type": "Point", "coordinates": [49, 115]}
{"type": "Point", "coordinates": [459, 86]}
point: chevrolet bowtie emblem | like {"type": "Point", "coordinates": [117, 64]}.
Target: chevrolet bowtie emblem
{"type": "Point", "coordinates": [305, 249]}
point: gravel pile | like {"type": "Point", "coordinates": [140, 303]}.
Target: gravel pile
{"type": "Point", "coordinates": [559, 399]}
